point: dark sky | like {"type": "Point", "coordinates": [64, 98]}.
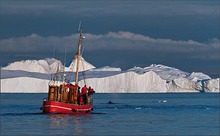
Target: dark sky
{"type": "Point", "coordinates": [183, 34]}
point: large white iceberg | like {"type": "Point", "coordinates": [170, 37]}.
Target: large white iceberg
{"type": "Point", "coordinates": [34, 76]}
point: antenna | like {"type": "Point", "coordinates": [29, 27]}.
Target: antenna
{"type": "Point", "coordinates": [64, 65]}
{"type": "Point", "coordinates": [79, 28]}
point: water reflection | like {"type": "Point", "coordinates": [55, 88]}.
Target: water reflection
{"type": "Point", "coordinates": [74, 124]}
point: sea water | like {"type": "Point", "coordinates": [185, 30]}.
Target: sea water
{"type": "Point", "coordinates": [115, 114]}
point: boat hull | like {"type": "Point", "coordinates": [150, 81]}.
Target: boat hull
{"type": "Point", "coordinates": [67, 108]}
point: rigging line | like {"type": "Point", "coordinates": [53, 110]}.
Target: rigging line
{"type": "Point", "coordinates": [69, 73]}
{"type": "Point", "coordinates": [52, 58]}
{"type": "Point", "coordinates": [64, 63]}
{"type": "Point", "coordinates": [83, 72]}
{"type": "Point", "coordinates": [71, 68]}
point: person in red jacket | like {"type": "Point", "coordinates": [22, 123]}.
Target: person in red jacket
{"type": "Point", "coordinates": [84, 93]}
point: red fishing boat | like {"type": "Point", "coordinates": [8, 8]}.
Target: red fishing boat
{"type": "Point", "coordinates": [68, 98]}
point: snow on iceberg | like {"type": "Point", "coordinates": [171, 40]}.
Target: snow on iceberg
{"type": "Point", "coordinates": [165, 72]}
{"type": "Point", "coordinates": [196, 76]}
{"type": "Point", "coordinates": [83, 65]}
{"type": "Point", "coordinates": [106, 68]}
{"type": "Point", "coordinates": [48, 65]}
{"type": "Point", "coordinates": [34, 76]}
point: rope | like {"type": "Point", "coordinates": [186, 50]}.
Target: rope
{"type": "Point", "coordinates": [70, 73]}
{"type": "Point", "coordinates": [83, 72]}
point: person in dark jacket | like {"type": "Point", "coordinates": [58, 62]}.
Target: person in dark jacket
{"type": "Point", "coordinates": [91, 91]}
{"type": "Point", "coordinates": [89, 97]}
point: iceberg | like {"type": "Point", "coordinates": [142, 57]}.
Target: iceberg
{"type": "Point", "coordinates": [33, 76]}
{"type": "Point", "coordinates": [83, 65]}
{"type": "Point", "coordinates": [48, 65]}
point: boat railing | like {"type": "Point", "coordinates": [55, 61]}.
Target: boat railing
{"type": "Point", "coordinates": [68, 93]}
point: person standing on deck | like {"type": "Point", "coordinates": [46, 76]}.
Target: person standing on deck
{"type": "Point", "coordinates": [84, 93]}
{"type": "Point", "coordinates": [89, 97]}
{"type": "Point", "coordinates": [90, 91]}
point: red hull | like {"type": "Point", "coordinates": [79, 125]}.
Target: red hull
{"type": "Point", "coordinates": [67, 108]}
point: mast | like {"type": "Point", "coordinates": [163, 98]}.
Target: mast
{"type": "Point", "coordinates": [78, 54]}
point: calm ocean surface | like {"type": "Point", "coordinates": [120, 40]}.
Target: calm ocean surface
{"type": "Point", "coordinates": [131, 114]}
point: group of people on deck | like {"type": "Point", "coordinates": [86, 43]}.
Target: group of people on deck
{"type": "Point", "coordinates": [84, 96]}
